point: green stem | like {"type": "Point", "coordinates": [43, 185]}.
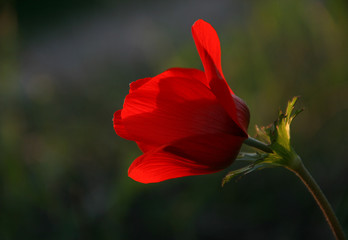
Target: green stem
{"type": "Point", "coordinates": [295, 165]}
{"type": "Point", "coordinates": [301, 171]}
{"type": "Point", "coordinates": [258, 144]}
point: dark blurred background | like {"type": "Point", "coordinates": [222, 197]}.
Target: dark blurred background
{"type": "Point", "coordinates": [65, 67]}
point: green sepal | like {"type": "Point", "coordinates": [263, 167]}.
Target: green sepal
{"type": "Point", "coordinates": [277, 137]}
{"type": "Point", "coordinates": [279, 132]}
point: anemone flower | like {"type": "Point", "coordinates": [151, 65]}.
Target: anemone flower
{"type": "Point", "coordinates": [185, 121]}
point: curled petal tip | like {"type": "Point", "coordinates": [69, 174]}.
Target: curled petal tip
{"type": "Point", "coordinates": [199, 21]}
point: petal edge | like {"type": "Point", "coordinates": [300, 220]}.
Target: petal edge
{"type": "Point", "coordinates": [196, 155]}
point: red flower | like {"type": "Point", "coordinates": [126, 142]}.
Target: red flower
{"type": "Point", "coordinates": [185, 121]}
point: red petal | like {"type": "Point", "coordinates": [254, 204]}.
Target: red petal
{"type": "Point", "coordinates": [243, 114]}
{"type": "Point", "coordinates": [189, 73]}
{"type": "Point", "coordinates": [194, 155]}
{"type": "Point", "coordinates": [168, 108]}
{"type": "Point", "coordinates": [144, 147]}
{"type": "Point", "coordinates": [118, 125]}
{"type": "Point", "coordinates": [172, 72]}
{"type": "Point", "coordinates": [122, 132]}
{"type": "Point", "coordinates": [137, 84]}
{"type": "Point", "coordinates": [208, 46]}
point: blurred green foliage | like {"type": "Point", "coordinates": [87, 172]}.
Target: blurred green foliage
{"type": "Point", "coordinates": [63, 171]}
